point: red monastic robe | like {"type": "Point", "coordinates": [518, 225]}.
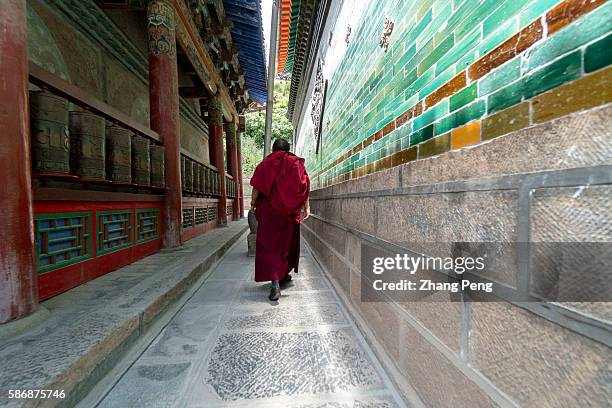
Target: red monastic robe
{"type": "Point", "coordinates": [283, 186]}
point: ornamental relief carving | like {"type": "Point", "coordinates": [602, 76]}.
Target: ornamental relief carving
{"type": "Point", "coordinates": [384, 38]}
{"type": "Point", "coordinates": [161, 29]}
{"type": "Point", "coordinates": [318, 105]}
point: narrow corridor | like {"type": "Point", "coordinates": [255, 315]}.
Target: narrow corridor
{"type": "Point", "coordinates": [229, 346]}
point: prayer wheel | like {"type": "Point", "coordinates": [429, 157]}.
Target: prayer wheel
{"type": "Point", "coordinates": [118, 153]}
{"type": "Point", "coordinates": [202, 172]}
{"type": "Point", "coordinates": [50, 137]}
{"type": "Point", "coordinates": [141, 161]}
{"type": "Point", "coordinates": [189, 175]}
{"type": "Point", "coordinates": [157, 165]}
{"type": "Point", "coordinates": [87, 145]}
{"type": "Point", "coordinates": [196, 177]}
{"type": "Point", "coordinates": [210, 183]}
{"type": "Point", "coordinates": [205, 179]}
{"type": "Point", "coordinates": [183, 178]}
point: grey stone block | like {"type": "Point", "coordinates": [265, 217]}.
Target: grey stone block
{"type": "Point", "coordinates": [252, 244]}
{"type": "Point", "coordinates": [440, 316]}
{"type": "Point", "coordinates": [353, 249]}
{"type": "Point", "coordinates": [304, 360]}
{"type": "Point", "coordinates": [333, 236]}
{"type": "Point", "coordinates": [159, 385]}
{"type": "Point", "coordinates": [313, 316]}
{"type": "Point", "coordinates": [341, 273]}
{"type": "Point", "coordinates": [437, 381]}
{"type": "Point", "coordinates": [536, 362]}
{"type": "Point", "coordinates": [233, 271]}
{"type": "Point", "coordinates": [358, 213]}
{"type": "Point", "coordinates": [578, 140]}
{"type": "Point", "coordinates": [578, 269]}
{"type": "Point", "coordinates": [186, 334]}
{"type": "Point", "coordinates": [431, 223]}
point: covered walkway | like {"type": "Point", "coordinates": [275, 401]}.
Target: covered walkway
{"type": "Point", "coordinates": [228, 346]}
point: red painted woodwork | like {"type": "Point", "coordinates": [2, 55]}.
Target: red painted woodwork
{"type": "Point", "coordinates": [18, 284]}
{"type": "Point", "coordinates": [164, 108]}
{"type": "Point", "coordinates": [196, 230]}
{"type": "Point", "coordinates": [60, 280]}
{"type": "Point", "coordinates": [240, 189]}
{"type": "Point", "coordinates": [215, 148]}
{"type": "Point", "coordinates": [232, 160]}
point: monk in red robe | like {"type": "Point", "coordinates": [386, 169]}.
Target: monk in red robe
{"type": "Point", "coordinates": [280, 201]}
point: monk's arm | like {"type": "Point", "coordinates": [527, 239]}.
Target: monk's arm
{"type": "Point", "coordinates": [254, 196]}
{"type": "Point", "coordinates": [306, 209]}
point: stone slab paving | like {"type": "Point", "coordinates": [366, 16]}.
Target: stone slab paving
{"type": "Point", "coordinates": [229, 346]}
{"type": "Point", "coordinates": [90, 327]}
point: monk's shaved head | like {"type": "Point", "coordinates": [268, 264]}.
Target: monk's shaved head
{"type": "Point", "coordinates": [281, 145]}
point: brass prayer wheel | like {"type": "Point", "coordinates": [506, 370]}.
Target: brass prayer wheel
{"type": "Point", "coordinates": [157, 165]}
{"type": "Point", "coordinates": [141, 161]}
{"type": "Point", "coordinates": [87, 145]}
{"type": "Point", "coordinates": [183, 181]}
{"type": "Point", "coordinates": [189, 175]}
{"type": "Point", "coordinates": [118, 153]}
{"type": "Point", "coordinates": [207, 181]}
{"type": "Point", "coordinates": [196, 177]}
{"type": "Point", "coordinates": [50, 137]}
{"type": "Point", "coordinates": [217, 184]}
{"type": "Point", "coordinates": [202, 183]}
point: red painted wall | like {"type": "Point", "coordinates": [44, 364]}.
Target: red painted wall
{"type": "Point", "coordinates": [59, 280]}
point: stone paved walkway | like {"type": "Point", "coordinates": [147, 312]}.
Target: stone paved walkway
{"type": "Point", "coordinates": [229, 346]}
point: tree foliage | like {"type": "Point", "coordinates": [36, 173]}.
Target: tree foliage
{"type": "Point", "coordinates": [252, 143]}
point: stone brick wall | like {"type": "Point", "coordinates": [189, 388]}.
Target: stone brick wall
{"type": "Point", "coordinates": [483, 121]}
{"type": "Point", "coordinates": [86, 46]}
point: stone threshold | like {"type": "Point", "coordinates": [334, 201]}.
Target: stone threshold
{"type": "Point", "coordinates": [91, 327]}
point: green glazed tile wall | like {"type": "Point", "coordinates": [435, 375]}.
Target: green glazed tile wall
{"type": "Point", "coordinates": [432, 42]}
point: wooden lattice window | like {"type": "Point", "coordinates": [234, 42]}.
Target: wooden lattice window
{"type": "Point", "coordinates": [114, 230]}
{"type": "Point", "coordinates": [147, 224]}
{"type": "Point", "coordinates": [62, 240]}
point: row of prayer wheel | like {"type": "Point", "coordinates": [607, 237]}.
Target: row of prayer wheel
{"type": "Point", "coordinates": [230, 187]}
{"type": "Point", "coordinates": [85, 145]}
{"type": "Point", "coordinates": [198, 178]}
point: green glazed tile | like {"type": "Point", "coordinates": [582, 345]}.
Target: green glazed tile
{"type": "Point", "coordinates": [505, 97]}
{"type": "Point", "coordinates": [431, 115]}
{"type": "Point", "coordinates": [468, 113]}
{"type": "Point", "coordinates": [587, 28]}
{"type": "Point", "coordinates": [535, 10]}
{"type": "Point", "coordinates": [421, 135]}
{"type": "Point", "coordinates": [458, 51]}
{"type": "Point", "coordinates": [506, 10]}
{"type": "Point", "coordinates": [437, 53]}
{"type": "Point", "coordinates": [502, 76]}
{"type": "Point", "coordinates": [598, 54]}
{"type": "Point", "coordinates": [463, 97]}
{"type": "Point", "coordinates": [437, 82]}
{"type": "Point", "coordinates": [559, 72]}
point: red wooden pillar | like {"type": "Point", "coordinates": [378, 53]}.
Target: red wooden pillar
{"type": "Point", "coordinates": [18, 280]}
{"type": "Point", "coordinates": [232, 160]}
{"type": "Point", "coordinates": [215, 151]}
{"type": "Point", "coordinates": [164, 107]}
{"type": "Point", "coordinates": [241, 125]}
